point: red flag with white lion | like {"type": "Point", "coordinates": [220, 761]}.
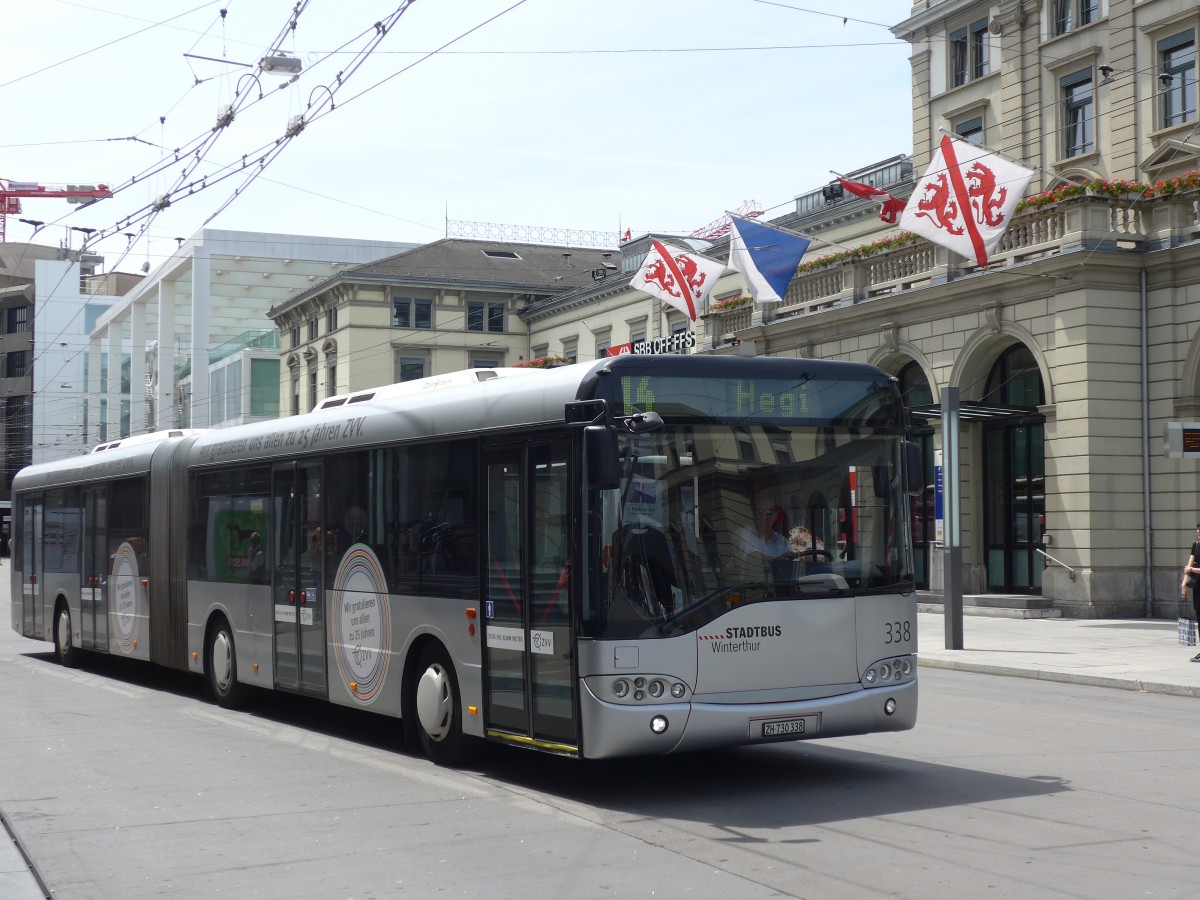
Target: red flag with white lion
{"type": "Point", "coordinates": [677, 277]}
{"type": "Point", "coordinates": [965, 199]}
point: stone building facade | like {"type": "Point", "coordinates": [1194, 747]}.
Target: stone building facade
{"type": "Point", "coordinates": [1071, 350]}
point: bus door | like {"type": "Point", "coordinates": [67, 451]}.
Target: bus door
{"type": "Point", "coordinates": [297, 578]}
{"type": "Point", "coordinates": [32, 554]}
{"type": "Point", "coordinates": [95, 572]}
{"type": "Point", "coordinates": [528, 626]}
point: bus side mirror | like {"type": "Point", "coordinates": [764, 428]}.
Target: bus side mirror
{"type": "Point", "coordinates": [603, 462]}
{"type": "Point", "coordinates": [914, 480]}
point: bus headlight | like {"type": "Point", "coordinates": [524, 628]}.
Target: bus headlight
{"type": "Point", "coordinates": [898, 670]}
{"type": "Point", "coordinates": [637, 689]}
{"type": "Point", "coordinates": [659, 724]}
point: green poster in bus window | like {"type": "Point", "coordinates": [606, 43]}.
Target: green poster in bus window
{"type": "Point", "coordinates": [231, 521]}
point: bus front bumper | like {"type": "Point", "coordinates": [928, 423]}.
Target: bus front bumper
{"type": "Point", "coordinates": [612, 730]}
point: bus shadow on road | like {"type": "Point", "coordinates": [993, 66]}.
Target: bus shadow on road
{"type": "Point", "coordinates": [781, 786]}
{"type": "Point", "coordinates": [131, 671]}
{"type": "Point", "coordinates": [302, 712]}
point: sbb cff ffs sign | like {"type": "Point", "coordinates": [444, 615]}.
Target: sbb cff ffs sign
{"type": "Point", "coordinates": [1181, 440]}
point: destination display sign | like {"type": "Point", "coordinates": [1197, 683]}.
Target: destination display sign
{"type": "Point", "coordinates": [746, 399]}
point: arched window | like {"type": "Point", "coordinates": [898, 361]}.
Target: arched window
{"type": "Point", "coordinates": [914, 386]}
{"type": "Point", "coordinates": [1015, 379]}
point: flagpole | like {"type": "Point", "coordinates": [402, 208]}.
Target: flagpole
{"type": "Point", "coordinates": [1012, 159]}
{"type": "Point", "coordinates": [799, 234]}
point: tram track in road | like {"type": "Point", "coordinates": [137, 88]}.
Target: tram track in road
{"type": "Point", "coordinates": [36, 875]}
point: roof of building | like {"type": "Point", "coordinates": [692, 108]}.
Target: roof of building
{"type": "Point", "coordinates": [496, 265]}
{"type": "Point", "coordinates": [488, 261]}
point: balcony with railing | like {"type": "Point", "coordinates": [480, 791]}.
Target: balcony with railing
{"type": "Point", "coordinates": [1128, 222]}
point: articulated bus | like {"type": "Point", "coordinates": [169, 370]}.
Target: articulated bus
{"type": "Point", "coordinates": [639, 555]}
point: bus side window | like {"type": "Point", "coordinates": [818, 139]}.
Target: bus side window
{"type": "Point", "coordinates": [433, 535]}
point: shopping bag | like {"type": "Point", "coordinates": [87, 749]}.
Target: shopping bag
{"type": "Point", "coordinates": [1187, 631]}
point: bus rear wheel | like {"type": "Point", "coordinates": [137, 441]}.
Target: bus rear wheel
{"type": "Point", "coordinates": [438, 710]}
{"type": "Point", "coordinates": [66, 654]}
{"type": "Point", "coordinates": [221, 670]}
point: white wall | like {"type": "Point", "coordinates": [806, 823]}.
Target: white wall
{"type": "Point", "coordinates": [223, 283]}
{"type": "Point", "coordinates": [60, 345]}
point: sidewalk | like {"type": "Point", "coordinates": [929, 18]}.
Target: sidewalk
{"type": "Point", "coordinates": [16, 881]}
{"type": "Point", "coordinates": [1132, 654]}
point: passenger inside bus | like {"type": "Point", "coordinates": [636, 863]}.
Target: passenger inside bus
{"type": "Point", "coordinates": [310, 559]}
{"type": "Point", "coordinates": [258, 560]}
{"type": "Point", "coordinates": [354, 521]}
{"type": "Point", "coordinates": [138, 545]}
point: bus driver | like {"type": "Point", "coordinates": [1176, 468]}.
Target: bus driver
{"type": "Point", "coordinates": [764, 542]}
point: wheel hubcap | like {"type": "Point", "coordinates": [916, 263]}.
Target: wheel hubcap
{"type": "Point", "coordinates": [435, 702]}
{"type": "Point", "coordinates": [222, 660]}
{"type": "Point", "coordinates": [64, 633]}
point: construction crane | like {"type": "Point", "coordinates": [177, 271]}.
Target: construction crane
{"type": "Point", "coordinates": [11, 193]}
{"type": "Point", "coordinates": [718, 228]}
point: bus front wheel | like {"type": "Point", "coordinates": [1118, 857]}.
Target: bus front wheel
{"type": "Point", "coordinates": [66, 654]}
{"type": "Point", "coordinates": [439, 710]}
{"type": "Point", "coordinates": [222, 667]}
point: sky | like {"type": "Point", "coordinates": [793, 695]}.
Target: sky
{"type": "Point", "coordinates": [561, 114]}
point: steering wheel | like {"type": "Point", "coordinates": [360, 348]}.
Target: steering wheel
{"type": "Point", "coordinates": [815, 553]}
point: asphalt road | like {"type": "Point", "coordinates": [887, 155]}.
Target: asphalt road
{"type": "Point", "coordinates": [121, 781]}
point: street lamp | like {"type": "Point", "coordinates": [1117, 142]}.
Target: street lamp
{"type": "Point", "coordinates": [87, 235]}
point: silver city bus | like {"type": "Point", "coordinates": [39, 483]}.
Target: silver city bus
{"type": "Point", "coordinates": [640, 555]}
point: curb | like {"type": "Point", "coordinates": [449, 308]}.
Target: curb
{"type": "Point", "coordinates": [19, 879]}
{"type": "Point", "coordinates": [992, 612]}
{"type": "Point", "coordinates": [1124, 684]}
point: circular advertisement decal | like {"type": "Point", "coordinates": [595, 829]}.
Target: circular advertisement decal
{"type": "Point", "coordinates": [125, 596]}
{"type": "Point", "coordinates": [362, 624]}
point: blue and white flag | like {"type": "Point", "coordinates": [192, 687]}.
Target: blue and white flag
{"type": "Point", "coordinates": [767, 257]}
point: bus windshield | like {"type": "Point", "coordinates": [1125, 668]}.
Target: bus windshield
{"type": "Point", "coordinates": [709, 517]}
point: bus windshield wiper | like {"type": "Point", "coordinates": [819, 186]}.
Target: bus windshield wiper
{"type": "Point", "coordinates": [896, 587]}
{"type": "Point", "coordinates": [709, 598]}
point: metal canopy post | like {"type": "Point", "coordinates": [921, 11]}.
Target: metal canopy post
{"type": "Point", "coordinates": [952, 598]}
